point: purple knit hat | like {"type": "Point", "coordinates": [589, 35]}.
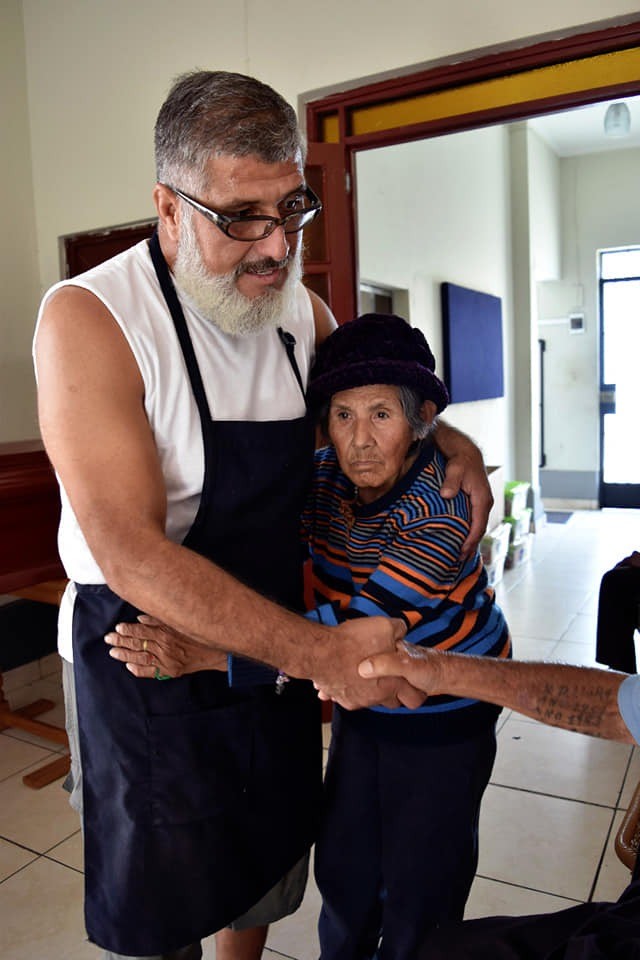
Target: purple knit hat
{"type": "Point", "coordinates": [375, 348]}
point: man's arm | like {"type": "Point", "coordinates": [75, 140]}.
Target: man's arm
{"type": "Point", "coordinates": [584, 699]}
{"type": "Point", "coordinates": [95, 430]}
{"type": "Point", "coordinates": [466, 471]}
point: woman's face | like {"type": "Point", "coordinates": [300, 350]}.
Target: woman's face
{"type": "Point", "coordinates": [371, 436]}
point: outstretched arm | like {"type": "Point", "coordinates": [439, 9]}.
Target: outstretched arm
{"type": "Point", "coordinates": [583, 699]}
{"type": "Point", "coordinates": [465, 471]}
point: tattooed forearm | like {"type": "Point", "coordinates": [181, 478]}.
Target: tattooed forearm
{"type": "Point", "coordinates": [584, 699]}
{"type": "Point", "coordinates": [584, 707]}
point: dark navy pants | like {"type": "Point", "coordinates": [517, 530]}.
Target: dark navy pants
{"type": "Point", "coordinates": [398, 847]}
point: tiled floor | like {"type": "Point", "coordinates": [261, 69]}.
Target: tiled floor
{"type": "Point", "coordinates": [549, 817]}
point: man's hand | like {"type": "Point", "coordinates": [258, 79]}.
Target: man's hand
{"type": "Point", "coordinates": [336, 674]}
{"type": "Point", "coordinates": [149, 647]}
{"type": "Point", "coordinates": [465, 471]}
{"type": "Point", "coordinates": [420, 666]}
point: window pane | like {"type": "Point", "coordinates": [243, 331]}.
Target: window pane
{"type": "Point", "coordinates": [617, 264]}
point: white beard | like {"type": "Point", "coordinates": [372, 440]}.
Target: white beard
{"type": "Point", "coordinates": [217, 297]}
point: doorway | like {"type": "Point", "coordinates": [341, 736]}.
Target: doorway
{"type": "Point", "coordinates": [619, 281]}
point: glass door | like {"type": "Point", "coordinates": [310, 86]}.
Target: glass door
{"type": "Point", "coordinates": [620, 374]}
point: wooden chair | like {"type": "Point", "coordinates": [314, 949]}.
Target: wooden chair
{"type": "Point", "coordinates": [23, 718]}
{"type": "Point", "coordinates": [628, 837]}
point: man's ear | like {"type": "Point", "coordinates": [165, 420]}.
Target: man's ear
{"type": "Point", "coordinates": [168, 210]}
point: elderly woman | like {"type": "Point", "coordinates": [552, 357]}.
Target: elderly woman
{"type": "Point", "coordinates": [398, 847]}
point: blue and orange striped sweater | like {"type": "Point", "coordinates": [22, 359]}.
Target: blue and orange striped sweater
{"type": "Point", "coordinates": [400, 556]}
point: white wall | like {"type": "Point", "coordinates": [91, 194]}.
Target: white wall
{"type": "Point", "coordinates": [434, 211]}
{"type": "Point", "coordinates": [545, 252]}
{"type": "Point", "coordinates": [546, 209]}
{"type": "Point", "coordinates": [98, 71]}
{"type": "Point", "coordinates": [18, 247]}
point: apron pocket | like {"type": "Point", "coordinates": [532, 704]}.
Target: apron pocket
{"type": "Point", "coordinates": [199, 763]}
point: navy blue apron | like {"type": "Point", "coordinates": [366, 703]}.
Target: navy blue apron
{"type": "Point", "coordinates": [198, 797]}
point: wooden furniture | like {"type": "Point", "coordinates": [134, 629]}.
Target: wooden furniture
{"type": "Point", "coordinates": [627, 840]}
{"type": "Point", "coordinates": [30, 568]}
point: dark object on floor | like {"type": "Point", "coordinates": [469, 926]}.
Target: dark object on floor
{"type": "Point", "coordinates": [28, 631]}
{"type": "Point", "coordinates": [558, 516]}
{"type": "Point", "coordinates": [619, 616]}
{"type": "Point", "coordinates": [589, 931]}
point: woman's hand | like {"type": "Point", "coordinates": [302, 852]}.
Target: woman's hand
{"type": "Point", "coordinates": [150, 648]}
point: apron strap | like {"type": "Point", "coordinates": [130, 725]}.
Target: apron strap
{"type": "Point", "coordinates": [289, 342]}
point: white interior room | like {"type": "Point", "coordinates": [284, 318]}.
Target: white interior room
{"type": "Point", "coordinates": [500, 210]}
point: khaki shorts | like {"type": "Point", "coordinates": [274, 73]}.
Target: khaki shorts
{"type": "Point", "coordinates": [284, 897]}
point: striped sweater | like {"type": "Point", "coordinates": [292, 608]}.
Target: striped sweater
{"type": "Point", "coordinates": [400, 556]}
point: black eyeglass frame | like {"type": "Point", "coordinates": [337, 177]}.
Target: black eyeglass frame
{"type": "Point", "coordinates": [225, 223]}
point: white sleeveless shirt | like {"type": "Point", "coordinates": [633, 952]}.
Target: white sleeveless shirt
{"type": "Point", "coordinates": [245, 378]}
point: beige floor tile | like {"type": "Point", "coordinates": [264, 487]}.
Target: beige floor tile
{"type": "Point", "coordinates": [297, 936]}
{"type": "Point", "coordinates": [41, 909]}
{"type": "Point", "coordinates": [590, 606]}
{"type": "Point", "coordinates": [16, 755]}
{"type": "Point", "coordinates": [326, 735]}
{"type": "Point", "coordinates": [19, 676]}
{"type": "Point", "coordinates": [13, 858]}
{"type": "Point", "coordinates": [38, 819]}
{"type": "Point", "coordinates": [582, 630]}
{"type": "Point", "coordinates": [70, 852]}
{"type": "Point", "coordinates": [49, 688]}
{"type": "Point", "coordinates": [582, 654]}
{"type": "Point", "coordinates": [490, 898]}
{"type": "Point", "coordinates": [545, 843]}
{"type": "Point", "coordinates": [51, 665]}
{"type": "Point", "coordinates": [533, 756]}
{"type": "Point", "coordinates": [537, 616]}
{"type": "Point", "coordinates": [532, 648]}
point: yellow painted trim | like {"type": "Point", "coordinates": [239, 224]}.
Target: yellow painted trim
{"type": "Point", "coordinates": [331, 129]}
{"type": "Point", "coordinates": [589, 73]}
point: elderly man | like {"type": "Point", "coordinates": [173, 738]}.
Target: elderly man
{"type": "Point", "coordinates": [171, 397]}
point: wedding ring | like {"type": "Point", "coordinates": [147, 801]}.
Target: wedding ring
{"type": "Point", "coordinates": [144, 646]}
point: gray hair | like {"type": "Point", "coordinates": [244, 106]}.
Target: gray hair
{"type": "Point", "coordinates": [411, 403]}
{"type": "Point", "coordinates": [215, 113]}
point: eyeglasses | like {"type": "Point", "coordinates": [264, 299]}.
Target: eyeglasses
{"type": "Point", "coordinates": [303, 206]}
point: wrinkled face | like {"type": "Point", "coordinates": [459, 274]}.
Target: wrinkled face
{"type": "Point", "coordinates": [241, 286]}
{"type": "Point", "coordinates": [371, 436]}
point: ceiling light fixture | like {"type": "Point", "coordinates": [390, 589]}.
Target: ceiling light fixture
{"type": "Point", "coordinates": [617, 120]}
